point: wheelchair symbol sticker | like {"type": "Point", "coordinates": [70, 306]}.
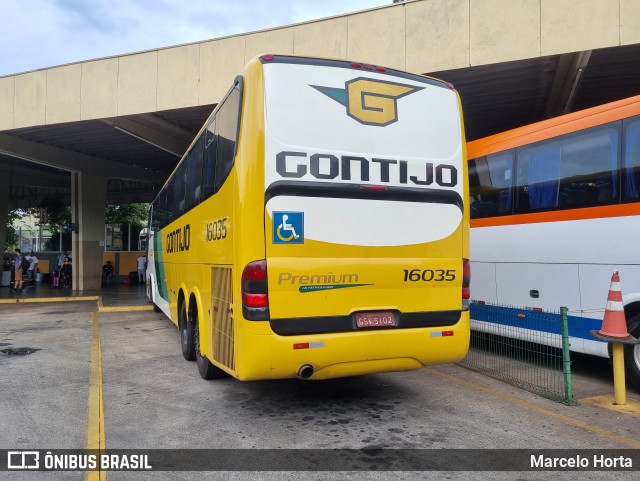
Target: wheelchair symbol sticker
{"type": "Point", "coordinates": [288, 227]}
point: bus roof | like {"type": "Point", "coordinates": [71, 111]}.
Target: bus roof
{"type": "Point", "coordinates": [555, 127]}
{"type": "Point", "coordinates": [351, 65]}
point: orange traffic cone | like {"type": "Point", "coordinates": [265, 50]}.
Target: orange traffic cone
{"type": "Point", "coordinates": [614, 323]}
{"type": "Point", "coordinates": [614, 330]}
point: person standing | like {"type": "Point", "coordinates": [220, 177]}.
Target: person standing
{"type": "Point", "coordinates": [12, 269]}
{"type": "Point", "coordinates": [107, 272]}
{"type": "Point", "coordinates": [142, 266]}
{"type": "Point", "coordinates": [17, 285]}
{"type": "Point", "coordinates": [65, 273]}
{"type": "Point", "coordinates": [33, 268]}
{"type": "Point", "coordinates": [64, 255]}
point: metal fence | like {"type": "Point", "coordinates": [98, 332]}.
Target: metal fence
{"type": "Point", "coordinates": [523, 347]}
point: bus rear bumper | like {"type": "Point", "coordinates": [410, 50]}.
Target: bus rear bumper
{"type": "Point", "coordinates": [353, 353]}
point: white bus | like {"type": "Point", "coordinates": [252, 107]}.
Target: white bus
{"type": "Point", "coordinates": [554, 210]}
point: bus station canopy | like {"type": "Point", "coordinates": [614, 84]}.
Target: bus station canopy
{"type": "Point", "coordinates": [133, 130]}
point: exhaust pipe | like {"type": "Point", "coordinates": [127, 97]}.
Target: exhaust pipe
{"type": "Point", "coordinates": [305, 371]}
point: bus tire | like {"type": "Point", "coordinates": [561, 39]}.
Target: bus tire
{"type": "Point", "coordinates": [156, 308]}
{"type": "Point", "coordinates": [632, 353]}
{"type": "Point", "coordinates": [187, 336]}
{"type": "Point", "coordinates": [206, 369]}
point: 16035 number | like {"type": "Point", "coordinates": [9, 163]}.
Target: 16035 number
{"type": "Point", "coordinates": [428, 275]}
{"type": "Point", "coordinates": [217, 229]}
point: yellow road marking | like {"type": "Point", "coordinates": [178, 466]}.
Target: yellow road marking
{"type": "Point", "coordinates": [125, 308]}
{"type": "Point", "coordinates": [606, 401]}
{"type": "Point", "coordinates": [30, 300]}
{"type": "Point", "coordinates": [101, 306]}
{"type": "Point", "coordinates": [548, 412]}
{"type": "Point", "coordinates": [95, 405]}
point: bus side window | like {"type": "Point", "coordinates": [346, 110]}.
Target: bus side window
{"type": "Point", "coordinates": [576, 170]}
{"type": "Point", "coordinates": [226, 136]}
{"type": "Point", "coordinates": [479, 189]}
{"type": "Point", "coordinates": [163, 213]}
{"type": "Point", "coordinates": [209, 161]}
{"type": "Point", "coordinates": [538, 176]}
{"type": "Point", "coordinates": [179, 181]}
{"type": "Point", "coordinates": [154, 225]}
{"type": "Point", "coordinates": [170, 212]}
{"type": "Point", "coordinates": [590, 167]}
{"type": "Point", "coordinates": [631, 172]}
{"type": "Point", "coordinates": [193, 174]}
{"type": "Point", "coordinates": [491, 184]}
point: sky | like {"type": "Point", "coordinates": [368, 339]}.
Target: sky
{"type": "Point", "coordinates": [37, 34]}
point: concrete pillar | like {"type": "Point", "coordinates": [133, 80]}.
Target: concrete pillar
{"type": "Point", "coordinates": [88, 205]}
{"type": "Point", "coordinates": [4, 206]}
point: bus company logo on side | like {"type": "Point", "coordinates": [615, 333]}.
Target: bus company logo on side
{"type": "Point", "coordinates": [288, 227]}
{"type": "Point", "coordinates": [370, 102]}
{"type": "Point", "coordinates": [179, 239]}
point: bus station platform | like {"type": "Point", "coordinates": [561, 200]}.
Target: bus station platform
{"type": "Point", "coordinates": [115, 295]}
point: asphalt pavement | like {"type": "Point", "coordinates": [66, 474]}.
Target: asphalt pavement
{"type": "Point", "coordinates": [86, 372]}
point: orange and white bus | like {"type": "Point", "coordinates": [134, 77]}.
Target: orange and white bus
{"type": "Point", "coordinates": [555, 208]}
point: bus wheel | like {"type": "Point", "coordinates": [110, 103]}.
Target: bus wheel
{"type": "Point", "coordinates": [205, 368]}
{"type": "Point", "coordinates": [156, 308]}
{"type": "Point", "coordinates": [187, 336]}
{"type": "Point", "coordinates": [632, 353]}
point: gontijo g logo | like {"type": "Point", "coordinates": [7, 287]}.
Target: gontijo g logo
{"type": "Point", "coordinates": [370, 102]}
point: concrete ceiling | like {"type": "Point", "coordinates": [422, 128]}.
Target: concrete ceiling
{"type": "Point", "coordinates": [503, 96]}
{"type": "Point", "coordinates": [138, 152]}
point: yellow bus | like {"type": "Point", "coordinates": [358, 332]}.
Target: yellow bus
{"type": "Point", "coordinates": [318, 225]}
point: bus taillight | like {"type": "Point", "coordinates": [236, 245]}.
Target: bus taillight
{"type": "Point", "coordinates": [255, 296]}
{"type": "Point", "coordinates": [466, 282]}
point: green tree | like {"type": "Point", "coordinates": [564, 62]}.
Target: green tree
{"type": "Point", "coordinates": [134, 214]}
{"type": "Point", "coordinates": [132, 218]}
{"type": "Point", "coordinates": [11, 239]}
{"type": "Point", "coordinates": [53, 213]}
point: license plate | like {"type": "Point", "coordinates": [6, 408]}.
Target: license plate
{"type": "Point", "coordinates": [375, 319]}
